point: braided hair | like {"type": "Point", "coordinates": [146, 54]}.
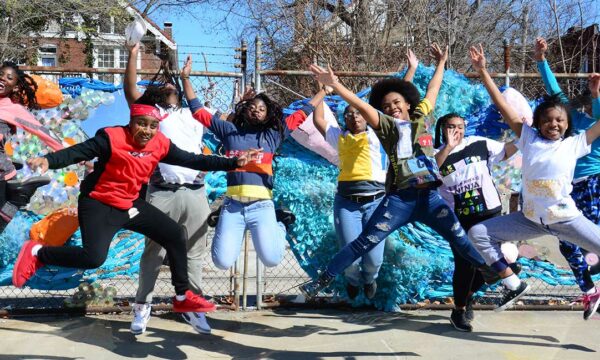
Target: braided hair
{"type": "Point", "coordinates": [274, 118]}
{"type": "Point", "coordinates": [26, 87]}
{"type": "Point", "coordinates": [159, 82]}
{"type": "Point", "coordinates": [439, 138]}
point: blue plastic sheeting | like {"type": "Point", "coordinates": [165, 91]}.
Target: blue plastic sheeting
{"type": "Point", "coordinates": [73, 86]}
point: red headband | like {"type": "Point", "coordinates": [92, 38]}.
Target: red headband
{"type": "Point", "coordinates": [146, 110]}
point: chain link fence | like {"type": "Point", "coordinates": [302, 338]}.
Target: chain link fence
{"type": "Point", "coordinates": [238, 285]}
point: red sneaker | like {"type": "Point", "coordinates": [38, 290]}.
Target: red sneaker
{"type": "Point", "coordinates": [193, 303]}
{"type": "Point", "coordinates": [26, 264]}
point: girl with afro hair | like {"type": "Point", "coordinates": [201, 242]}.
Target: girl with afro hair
{"type": "Point", "coordinates": [397, 115]}
{"type": "Point", "coordinates": [257, 123]}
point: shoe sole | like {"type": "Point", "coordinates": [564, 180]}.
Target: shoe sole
{"type": "Point", "coordinates": [198, 330]}
{"type": "Point", "coordinates": [508, 304]}
{"type": "Point", "coordinates": [17, 265]}
{"type": "Point", "coordinates": [459, 329]}
{"type": "Point", "coordinates": [593, 311]}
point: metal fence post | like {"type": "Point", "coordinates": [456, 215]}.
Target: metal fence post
{"type": "Point", "coordinates": [245, 276]}
{"type": "Point", "coordinates": [507, 49]}
{"type": "Point", "coordinates": [257, 62]}
{"type": "Point", "coordinates": [259, 280]}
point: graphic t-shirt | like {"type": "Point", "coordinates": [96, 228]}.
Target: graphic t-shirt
{"type": "Point", "coordinates": [548, 168]}
{"type": "Point", "coordinates": [468, 184]}
{"type": "Point", "coordinates": [363, 162]}
{"type": "Point", "coordinates": [410, 148]}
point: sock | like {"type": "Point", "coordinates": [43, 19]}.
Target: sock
{"type": "Point", "coordinates": [35, 249]}
{"type": "Point", "coordinates": [179, 297]}
{"type": "Point", "coordinates": [512, 282]}
{"type": "Point", "coordinates": [591, 291]}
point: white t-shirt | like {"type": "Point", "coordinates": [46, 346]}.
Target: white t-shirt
{"type": "Point", "coordinates": [548, 168]}
{"type": "Point", "coordinates": [186, 133]}
{"type": "Point", "coordinates": [468, 185]}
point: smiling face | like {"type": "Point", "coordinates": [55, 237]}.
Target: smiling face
{"type": "Point", "coordinates": [256, 113]}
{"type": "Point", "coordinates": [394, 105]}
{"type": "Point", "coordinates": [553, 123]}
{"type": "Point", "coordinates": [8, 81]}
{"type": "Point", "coordinates": [143, 129]}
{"type": "Point", "coordinates": [355, 123]}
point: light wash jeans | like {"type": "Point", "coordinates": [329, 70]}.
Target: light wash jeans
{"type": "Point", "coordinates": [268, 235]}
{"type": "Point", "coordinates": [399, 208]}
{"type": "Point", "coordinates": [350, 218]}
{"type": "Point", "coordinates": [488, 235]}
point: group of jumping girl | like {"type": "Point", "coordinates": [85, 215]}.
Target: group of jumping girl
{"type": "Point", "coordinates": [392, 171]}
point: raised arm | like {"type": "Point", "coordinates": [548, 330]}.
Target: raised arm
{"type": "Point", "coordinates": [508, 113]}
{"type": "Point", "coordinates": [593, 133]}
{"type": "Point", "coordinates": [548, 77]}
{"type": "Point", "coordinates": [452, 140]}
{"type": "Point", "coordinates": [327, 78]}
{"type": "Point", "coordinates": [433, 88]}
{"type": "Point", "coordinates": [319, 118]}
{"type": "Point", "coordinates": [130, 83]}
{"type": "Point", "coordinates": [413, 63]}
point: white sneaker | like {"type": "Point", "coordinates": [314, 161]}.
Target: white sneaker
{"type": "Point", "coordinates": [141, 315]}
{"type": "Point", "coordinates": [198, 321]}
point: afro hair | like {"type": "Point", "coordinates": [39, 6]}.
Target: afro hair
{"type": "Point", "coordinates": [409, 92]}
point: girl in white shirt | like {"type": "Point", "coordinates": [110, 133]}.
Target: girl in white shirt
{"type": "Point", "coordinates": [549, 157]}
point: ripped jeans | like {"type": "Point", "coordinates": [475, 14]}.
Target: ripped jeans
{"type": "Point", "coordinates": [396, 210]}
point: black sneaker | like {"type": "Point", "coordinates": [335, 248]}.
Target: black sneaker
{"type": "Point", "coordinates": [510, 296]}
{"type": "Point", "coordinates": [370, 290]}
{"type": "Point", "coordinates": [352, 291]}
{"type": "Point", "coordinates": [285, 216]}
{"type": "Point", "coordinates": [20, 192]}
{"type": "Point", "coordinates": [469, 315]}
{"type": "Point", "coordinates": [312, 288]}
{"type": "Point", "coordinates": [459, 321]}
{"type": "Point", "coordinates": [490, 276]}
{"type": "Point", "coordinates": [213, 218]}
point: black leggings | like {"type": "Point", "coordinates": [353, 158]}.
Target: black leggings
{"type": "Point", "coordinates": [466, 279]}
{"type": "Point", "coordinates": [99, 223]}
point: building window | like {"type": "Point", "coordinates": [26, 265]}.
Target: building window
{"type": "Point", "coordinates": [106, 25]}
{"type": "Point", "coordinates": [47, 55]}
{"type": "Point", "coordinates": [122, 59]}
{"type": "Point", "coordinates": [106, 57]}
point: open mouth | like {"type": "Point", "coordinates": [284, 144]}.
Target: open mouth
{"type": "Point", "coordinates": [397, 114]}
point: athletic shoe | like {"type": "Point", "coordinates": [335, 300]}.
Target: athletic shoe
{"type": "Point", "coordinates": [26, 264]}
{"type": "Point", "coordinates": [141, 315]}
{"type": "Point", "coordinates": [198, 321]}
{"type": "Point", "coordinates": [490, 276]}
{"type": "Point", "coordinates": [370, 290]}
{"type": "Point", "coordinates": [469, 315]}
{"type": "Point", "coordinates": [20, 192]}
{"type": "Point", "coordinates": [352, 291]}
{"type": "Point", "coordinates": [590, 304]}
{"type": "Point", "coordinates": [510, 296]}
{"type": "Point", "coordinates": [312, 288]}
{"type": "Point", "coordinates": [285, 216]}
{"type": "Point", "coordinates": [192, 303]}
{"type": "Point", "coordinates": [459, 321]}
{"type": "Point", "coordinates": [213, 218]}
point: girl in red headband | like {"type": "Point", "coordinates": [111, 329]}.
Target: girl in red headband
{"type": "Point", "coordinates": [109, 199]}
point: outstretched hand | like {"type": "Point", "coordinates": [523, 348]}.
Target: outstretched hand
{"type": "Point", "coordinates": [325, 77]}
{"type": "Point", "coordinates": [594, 85]}
{"type": "Point", "coordinates": [541, 46]}
{"type": "Point", "coordinates": [437, 53]}
{"type": "Point", "coordinates": [133, 48]}
{"type": "Point", "coordinates": [477, 58]}
{"type": "Point", "coordinates": [452, 138]}
{"type": "Point", "coordinates": [249, 93]}
{"type": "Point", "coordinates": [411, 59]}
{"type": "Point", "coordinates": [187, 67]}
{"type": "Point", "coordinates": [40, 163]}
{"type": "Point", "coordinates": [251, 155]}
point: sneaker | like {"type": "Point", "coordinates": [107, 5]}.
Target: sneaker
{"type": "Point", "coordinates": [510, 296]}
{"type": "Point", "coordinates": [312, 288]}
{"type": "Point", "coordinates": [141, 315]}
{"type": "Point", "coordinates": [192, 303]}
{"type": "Point", "coordinates": [590, 304]}
{"type": "Point", "coordinates": [198, 321]}
{"type": "Point", "coordinates": [19, 192]}
{"type": "Point", "coordinates": [26, 264]}
{"type": "Point", "coordinates": [459, 321]}
{"type": "Point", "coordinates": [352, 291]}
{"type": "Point", "coordinates": [469, 315]}
{"type": "Point", "coordinates": [490, 276]}
{"type": "Point", "coordinates": [285, 216]}
{"type": "Point", "coordinates": [370, 290]}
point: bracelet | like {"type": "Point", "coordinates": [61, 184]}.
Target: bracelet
{"type": "Point", "coordinates": [184, 77]}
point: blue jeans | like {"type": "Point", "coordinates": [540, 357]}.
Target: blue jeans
{"type": "Point", "coordinates": [399, 208]}
{"type": "Point", "coordinates": [350, 218]}
{"type": "Point", "coordinates": [268, 235]}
